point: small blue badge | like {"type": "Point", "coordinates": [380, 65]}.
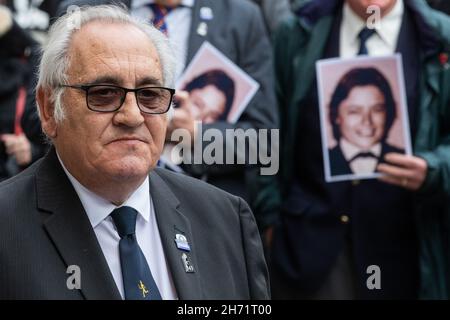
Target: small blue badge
{"type": "Point", "coordinates": [182, 242]}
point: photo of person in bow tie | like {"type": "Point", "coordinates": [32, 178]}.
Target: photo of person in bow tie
{"type": "Point", "coordinates": [362, 110]}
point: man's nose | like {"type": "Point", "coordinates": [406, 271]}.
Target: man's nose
{"type": "Point", "coordinates": [367, 118]}
{"type": "Point", "coordinates": [129, 114]}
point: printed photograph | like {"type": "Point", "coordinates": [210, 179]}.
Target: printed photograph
{"type": "Point", "coordinates": [363, 113]}
{"type": "Point", "coordinates": [218, 88]}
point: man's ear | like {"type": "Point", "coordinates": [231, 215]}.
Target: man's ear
{"type": "Point", "coordinates": [46, 110]}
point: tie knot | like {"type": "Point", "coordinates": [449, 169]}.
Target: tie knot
{"type": "Point", "coordinates": [125, 220]}
{"type": "Point", "coordinates": [365, 34]}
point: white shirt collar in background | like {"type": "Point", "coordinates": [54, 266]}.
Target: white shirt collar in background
{"type": "Point", "coordinates": [384, 42]}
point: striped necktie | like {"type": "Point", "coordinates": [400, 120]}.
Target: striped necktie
{"type": "Point", "coordinates": [159, 14]}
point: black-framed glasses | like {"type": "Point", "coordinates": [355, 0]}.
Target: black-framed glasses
{"type": "Point", "coordinates": [110, 98]}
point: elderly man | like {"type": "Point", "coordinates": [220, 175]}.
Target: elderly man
{"type": "Point", "coordinates": [89, 221]}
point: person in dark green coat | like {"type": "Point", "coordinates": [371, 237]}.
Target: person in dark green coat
{"type": "Point", "coordinates": [401, 222]}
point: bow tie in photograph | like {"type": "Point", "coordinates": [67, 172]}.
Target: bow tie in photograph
{"type": "Point", "coordinates": [363, 155]}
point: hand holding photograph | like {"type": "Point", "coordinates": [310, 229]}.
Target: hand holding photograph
{"type": "Point", "coordinates": [363, 115]}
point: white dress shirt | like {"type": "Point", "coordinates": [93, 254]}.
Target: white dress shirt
{"type": "Point", "coordinates": [361, 165]}
{"type": "Point", "coordinates": [147, 233]}
{"type": "Point", "coordinates": [178, 23]}
{"type": "Point", "coordinates": [383, 42]}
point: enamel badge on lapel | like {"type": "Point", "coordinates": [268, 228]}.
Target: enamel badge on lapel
{"type": "Point", "coordinates": [443, 59]}
{"type": "Point", "coordinates": [206, 13]}
{"type": "Point", "coordinates": [182, 242]}
{"type": "Point", "coordinates": [188, 267]}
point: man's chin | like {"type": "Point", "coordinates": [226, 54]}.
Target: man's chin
{"type": "Point", "coordinates": [129, 168]}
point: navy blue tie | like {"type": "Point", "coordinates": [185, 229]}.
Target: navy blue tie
{"type": "Point", "coordinates": [138, 282]}
{"type": "Point", "coordinates": [363, 36]}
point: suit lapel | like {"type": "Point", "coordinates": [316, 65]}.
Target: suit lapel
{"type": "Point", "coordinates": [70, 230]}
{"type": "Point", "coordinates": [170, 223]}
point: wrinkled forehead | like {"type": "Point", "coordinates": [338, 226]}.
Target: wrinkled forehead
{"type": "Point", "coordinates": [112, 50]}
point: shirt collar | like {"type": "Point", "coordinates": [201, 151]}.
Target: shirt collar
{"type": "Point", "coordinates": [388, 28]}
{"type": "Point", "coordinates": [141, 3]}
{"type": "Point", "coordinates": [98, 208]}
{"type": "Point", "coordinates": [352, 24]}
{"type": "Point", "coordinates": [349, 150]}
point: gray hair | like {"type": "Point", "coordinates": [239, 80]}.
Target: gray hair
{"type": "Point", "coordinates": [55, 61]}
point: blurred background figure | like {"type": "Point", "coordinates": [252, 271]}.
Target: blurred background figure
{"type": "Point", "coordinates": [330, 237]}
{"type": "Point", "coordinates": [21, 142]}
{"type": "Point", "coordinates": [441, 5]}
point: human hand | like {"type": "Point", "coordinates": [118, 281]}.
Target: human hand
{"type": "Point", "coordinates": [5, 19]}
{"type": "Point", "coordinates": [403, 170]}
{"type": "Point", "coordinates": [18, 146]}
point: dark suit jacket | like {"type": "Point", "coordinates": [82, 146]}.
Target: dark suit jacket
{"type": "Point", "coordinates": [340, 166]}
{"type": "Point", "coordinates": [237, 30]}
{"type": "Point", "coordinates": [44, 229]}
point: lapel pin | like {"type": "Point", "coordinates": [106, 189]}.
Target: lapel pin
{"type": "Point", "coordinates": [182, 242]}
{"type": "Point", "coordinates": [202, 29]}
{"type": "Point", "coordinates": [142, 288]}
{"type": "Point", "coordinates": [206, 13]}
{"type": "Point", "coordinates": [188, 267]}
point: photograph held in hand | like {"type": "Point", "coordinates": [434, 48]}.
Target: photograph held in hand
{"type": "Point", "coordinates": [364, 116]}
